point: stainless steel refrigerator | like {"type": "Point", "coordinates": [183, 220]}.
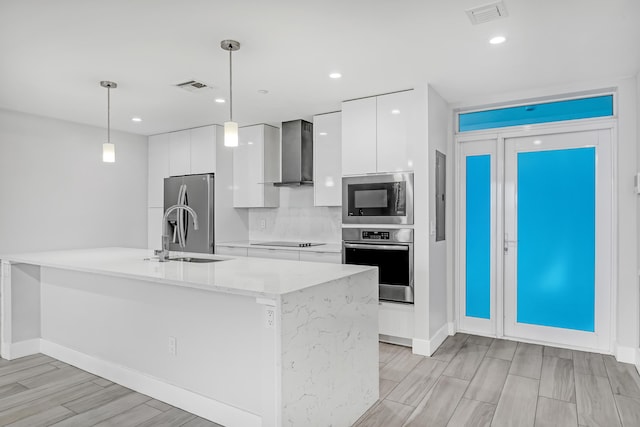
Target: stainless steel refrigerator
{"type": "Point", "coordinates": [196, 191]}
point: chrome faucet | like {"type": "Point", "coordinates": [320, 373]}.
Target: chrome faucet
{"type": "Point", "coordinates": [163, 253]}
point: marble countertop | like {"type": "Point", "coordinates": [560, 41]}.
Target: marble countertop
{"type": "Point", "coordinates": [325, 247]}
{"type": "Point", "coordinates": [242, 275]}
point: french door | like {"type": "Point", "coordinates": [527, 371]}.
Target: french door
{"type": "Point", "coordinates": [535, 237]}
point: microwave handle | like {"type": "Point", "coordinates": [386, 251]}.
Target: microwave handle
{"type": "Point", "coordinates": [377, 247]}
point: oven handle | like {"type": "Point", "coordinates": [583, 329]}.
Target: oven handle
{"type": "Point", "coordinates": [377, 247]}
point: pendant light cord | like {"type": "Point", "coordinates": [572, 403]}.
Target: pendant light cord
{"type": "Point", "coordinates": [109, 115]}
{"type": "Point", "coordinates": [230, 85]}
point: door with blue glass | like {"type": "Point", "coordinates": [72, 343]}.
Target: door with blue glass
{"type": "Point", "coordinates": [477, 204]}
{"type": "Point", "coordinates": [557, 238]}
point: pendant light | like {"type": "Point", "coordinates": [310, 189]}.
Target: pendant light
{"type": "Point", "coordinates": [230, 127]}
{"type": "Point", "coordinates": [108, 149]}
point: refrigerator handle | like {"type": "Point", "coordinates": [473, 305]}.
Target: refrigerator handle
{"type": "Point", "coordinates": [182, 195]}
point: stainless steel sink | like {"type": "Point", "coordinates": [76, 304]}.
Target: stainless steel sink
{"type": "Point", "coordinates": [198, 260]}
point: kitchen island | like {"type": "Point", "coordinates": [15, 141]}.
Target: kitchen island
{"type": "Point", "coordinates": [240, 341]}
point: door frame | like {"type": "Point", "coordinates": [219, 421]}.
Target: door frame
{"type": "Point", "coordinates": [499, 135]}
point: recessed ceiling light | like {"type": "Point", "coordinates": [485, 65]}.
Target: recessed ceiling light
{"type": "Point", "coordinates": [136, 119]}
{"type": "Point", "coordinates": [498, 40]}
{"type": "Point", "coordinates": [322, 134]}
{"type": "Point", "coordinates": [335, 75]}
{"type": "Point", "coordinates": [221, 100]}
{"type": "Point", "coordinates": [263, 91]}
{"type": "Point", "coordinates": [537, 142]}
{"type": "Point", "coordinates": [395, 111]}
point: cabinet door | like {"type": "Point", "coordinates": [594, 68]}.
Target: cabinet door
{"type": "Point", "coordinates": [394, 115]}
{"type": "Point", "coordinates": [328, 257]}
{"type": "Point", "coordinates": [231, 250]}
{"type": "Point", "coordinates": [273, 253]}
{"type": "Point", "coordinates": [359, 136]}
{"type": "Point", "coordinates": [327, 159]}
{"type": "Point", "coordinates": [271, 164]}
{"type": "Point", "coordinates": [180, 153]}
{"type": "Point", "coordinates": [203, 149]}
{"type": "Point", "coordinates": [158, 169]}
{"type": "Point", "coordinates": [154, 227]}
{"type": "Point", "coordinates": [248, 168]}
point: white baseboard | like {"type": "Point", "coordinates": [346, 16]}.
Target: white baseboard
{"type": "Point", "coordinates": [452, 328]}
{"type": "Point", "coordinates": [428, 347]}
{"type": "Point", "coordinates": [406, 342]}
{"type": "Point", "coordinates": [195, 403]}
{"type": "Point", "coordinates": [21, 349]}
{"type": "Point", "coordinates": [638, 360]}
{"type": "Point", "coordinates": [626, 354]}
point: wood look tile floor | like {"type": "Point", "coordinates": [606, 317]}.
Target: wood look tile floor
{"type": "Point", "coordinates": [40, 391]}
{"type": "Point", "coordinates": [469, 381]}
{"type": "Point", "coordinates": [476, 381]}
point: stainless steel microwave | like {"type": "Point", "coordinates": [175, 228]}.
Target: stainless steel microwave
{"type": "Point", "coordinates": [378, 199]}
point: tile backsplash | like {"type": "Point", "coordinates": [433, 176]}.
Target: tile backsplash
{"type": "Point", "coordinates": [296, 219]}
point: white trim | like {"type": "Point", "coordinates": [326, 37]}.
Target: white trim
{"type": "Point", "coordinates": [638, 360]}
{"type": "Point", "coordinates": [5, 310]}
{"type": "Point", "coordinates": [21, 349]}
{"type": "Point", "coordinates": [626, 354]}
{"type": "Point", "coordinates": [195, 403]}
{"type": "Point", "coordinates": [406, 342]}
{"type": "Point", "coordinates": [428, 347]}
{"type": "Point", "coordinates": [452, 328]}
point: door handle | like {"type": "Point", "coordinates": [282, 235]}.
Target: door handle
{"type": "Point", "coordinates": [508, 242]}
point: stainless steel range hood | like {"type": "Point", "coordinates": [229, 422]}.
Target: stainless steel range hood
{"type": "Point", "coordinates": [297, 153]}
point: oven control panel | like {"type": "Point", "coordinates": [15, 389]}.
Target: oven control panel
{"type": "Point", "coordinates": [375, 235]}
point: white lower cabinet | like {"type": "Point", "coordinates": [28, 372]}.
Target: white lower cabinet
{"type": "Point", "coordinates": [154, 227]}
{"type": "Point", "coordinates": [329, 257]}
{"type": "Point", "coordinates": [231, 251]}
{"type": "Point", "coordinates": [395, 320]}
{"type": "Point", "coordinates": [273, 253]}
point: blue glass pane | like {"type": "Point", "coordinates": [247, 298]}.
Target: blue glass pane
{"type": "Point", "coordinates": [600, 106]}
{"type": "Point", "coordinates": [478, 240]}
{"type": "Point", "coordinates": [556, 238]}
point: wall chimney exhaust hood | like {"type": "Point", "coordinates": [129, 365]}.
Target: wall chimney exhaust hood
{"type": "Point", "coordinates": [297, 154]}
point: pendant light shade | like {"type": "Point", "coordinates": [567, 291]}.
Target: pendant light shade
{"type": "Point", "coordinates": [230, 134]}
{"type": "Point", "coordinates": [108, 152]}
{"type": "Point", "coordinates": [230, 127]}
{"type": "Point", "coordinates": [108, 149]}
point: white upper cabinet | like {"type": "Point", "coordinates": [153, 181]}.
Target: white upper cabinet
{"type": "Point", "coordinates": [359, 136]}
{"type": "Point", "coordinates": [327, 163]}
{"type": "Point", "coordinates": [203, 150]}
{"type": "Point", "coordinates": [376, 134]}
{"type": "Point", "coordinates": [256, 165]}
{"type": "Point", "coordinates": [158, 169]}
{"type": "Point", "coordinates": [180, 152]}
{"type": "Point", "coordinates": [394, 115]}
{"type": "Point", "coordinates": [192, 151]}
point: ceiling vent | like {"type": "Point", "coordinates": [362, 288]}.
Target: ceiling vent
{"type": "Point", "coordinates": [192, 86]}
{"type": "Point", "coordinates": [486, 13]}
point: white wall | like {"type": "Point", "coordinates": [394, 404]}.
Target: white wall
{"type": "Point", "coordinates": [296, 219]}
{"type": "Point", "coordinates": [55, 192]}
{"type": "Point", "coordinates": [439, 133]}
{"type": "Point", "coordinates": [627, 263]}
{"type": "Point", "coordinates": [638, 201]}
{"type": "Point", "coordinates": [421, 177]}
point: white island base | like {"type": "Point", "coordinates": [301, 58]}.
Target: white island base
{"type": "Point", "coordinates": [235, 342]}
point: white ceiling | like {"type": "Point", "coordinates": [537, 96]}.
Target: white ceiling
{"type": "Point", "coordinates": [53, 53]}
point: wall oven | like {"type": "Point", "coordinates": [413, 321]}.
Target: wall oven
{"type": "Point", "coordinates": [391, 250]}
{"type": "Point", "coordinates": [378, 199]}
